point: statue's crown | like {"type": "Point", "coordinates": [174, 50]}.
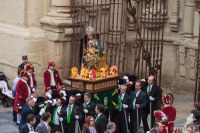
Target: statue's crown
{"type": "Point", "coordinates": [89, 30]}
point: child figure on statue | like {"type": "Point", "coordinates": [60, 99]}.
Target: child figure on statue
{"type": "Point", "coordinates": [93, 52]}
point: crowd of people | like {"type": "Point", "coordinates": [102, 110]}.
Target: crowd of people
{"type": "Point", "coordinates": [59, 112]}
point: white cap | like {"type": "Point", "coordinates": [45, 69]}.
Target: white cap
{"type": "Point", "coordinates": [78, 94]}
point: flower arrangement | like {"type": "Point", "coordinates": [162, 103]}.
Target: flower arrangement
{"type": "Point", "coordinates": [74, 72]}
{"type": "Point", "coordinates": [113, 70]}
{"type": "Point", "coordinates": [92, 74]}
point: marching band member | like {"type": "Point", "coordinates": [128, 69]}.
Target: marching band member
{"type": "Point", "coordinates": [21, 66]}
{"type": "Point", "coordinates": [22, 93]}
{"type": "Point", "coordinates": [52, 80]}
{"type": "Point", "coordinates": [31, 81]}
{"type": "Point", "coordinates": [170, 111]}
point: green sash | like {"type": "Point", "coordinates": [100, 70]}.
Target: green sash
{"type": "Point", "coordinates": [134, 101]}
{"type": "Point", "coordinates": [54, 114]}
{"type": "Point", "coordinates": [69, 112]}
{"type": "Point", "coordinates": [148, 89]}
{"type": "Point", "coordinates": [120, 103]}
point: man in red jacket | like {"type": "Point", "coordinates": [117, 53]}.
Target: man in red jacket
{"type": "Point", "coordinates": [52, 80]}
{"type": "Point", "coordinates": [22, 93]}
{"type": "Point", "coordinates": [31, 81]}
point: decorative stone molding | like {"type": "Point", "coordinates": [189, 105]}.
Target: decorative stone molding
{"type": "Point", "coordinates": [174, 19]}
{"type": "Point", "coordinates": [188, 18]}
{"type": "Point", "coordinates": [58, 28]}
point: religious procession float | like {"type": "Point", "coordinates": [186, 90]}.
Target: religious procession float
{"type": "Point", "coordinates": [94, 75]}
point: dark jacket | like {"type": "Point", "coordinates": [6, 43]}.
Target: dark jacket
{"type": "Point", "coordinates": [155, 93]}
{"type": "Point", "coordinates": [91, 109]}
{"type": "Point", "coordinates": [70, 128]}
{"type": "Point", "coordinates": [25, 112]}
{"type": "Point", "coordinates": [101, 123]}
{"type": "Point", "coordinates": [25, 129]}
{"type": "Point", "coordinates": [142, 99]}
{"type": "Point", "coordinates": [41, 128]}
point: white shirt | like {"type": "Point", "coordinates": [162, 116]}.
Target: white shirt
{"type": "Point", "coordinates": [52, 78]}
{"type": "Point", "coordinates": [15, 84]}
{"type": "Point", "coordinates": [56, 122]}
{"type": "Point", "coordinates": [99, 115]}
{"type": "Point", "coordinates": [88, 102]}
{"type": "Point", "coordinates": [31, 80]}
{"type": "Point", "coordinates": [29, 127]}
{"type": "Point", "coordinates": [122, 96]}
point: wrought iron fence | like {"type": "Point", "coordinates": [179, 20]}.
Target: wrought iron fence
{"type": "Point", "coordinates": [131, 32]}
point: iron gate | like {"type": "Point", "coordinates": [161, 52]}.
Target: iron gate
{"type": "Point", "coordinates": [131, 32]}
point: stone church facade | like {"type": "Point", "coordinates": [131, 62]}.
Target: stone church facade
{"type": "Point", "coordinates": [42, 29]}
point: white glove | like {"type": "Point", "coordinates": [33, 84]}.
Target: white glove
{"type": "Point", "coordinates": [48, 101]}
{"type": "Point", "coordinates": [33, 89]}
{"type": "Point", "coordinates": [85, 111]}
{"type": "Point", "coordinates": [50, 91]}
{"type": "Point", "coordinates": [54, 102]}
{"type": "Point", "coordinates": [35, 99]}
{"type": "Point", "coordinates": [125, 106]}
{"type": "Point", "coordinates": [64, 98]}
{"type": "Point", "coordinates": [60, 119]}
{"type": "Point", "coordinates": [48, 94]}
{"type": "Point", "coordinates": [20, 107]}
{"type": "Point", "coordinates": [42, 111]}
{"type": "Point", "coordinates": [151, 98]}
{"type": "Point", "coordinates": [76, 117]}
{"type": "Point", "coordinates": [64, 93]}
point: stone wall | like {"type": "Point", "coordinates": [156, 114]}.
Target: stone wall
{"type": "Point", "coordinates": [41, 29]}
{"type": "Point", "coordinates": [20, 34]}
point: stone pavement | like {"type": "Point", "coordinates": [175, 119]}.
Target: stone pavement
{"type": "Point", "coordinates": [6, 122]}
{"type": "Point", "coordinates": [183, 104]}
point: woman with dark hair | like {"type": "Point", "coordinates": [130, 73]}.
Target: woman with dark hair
{"type": "Point", "coordinates": [89, 126]}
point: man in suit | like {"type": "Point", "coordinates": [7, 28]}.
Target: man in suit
{"type": "Point", "coordinates": [52, 80]}
{"type": "Point", "coordinates": [29, 109]}
{"type": "Point", "coordinates": [121, 115]}
{"type": "Point", "coordinates": [88, 105]}
{"type": "Point", "coordinates": [43, 126]}
{"type": "Point", "coordinates": [111, 127]}
{"type": "Point", "coordinates": [101, 120]}
{"type": "Point", "coordinates": [29, 126]}
{"type": "Point", "coordinates": [57, 115]}
{"type": "Point", "coordinates": [87, 108]}
{"type": "Point", "coordinates": [139, 101]}
{"type": "Point", "coordinates": [31, 81]}
{"type": "Point", "coordinates": [158, 127]}
{"type": "Point", "coordinates": [153, 92]}
{"type": "Point", "coordinates": [73, 116]}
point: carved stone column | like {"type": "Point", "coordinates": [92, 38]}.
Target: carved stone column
{"type": "Point", "coordinates": [188, 18]}
{"type": "Point", "coordinates": [57, 25]}
{"type": "Point", "coordinates": [175, 16]}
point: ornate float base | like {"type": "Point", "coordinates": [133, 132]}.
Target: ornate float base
{"type": "Point", "coordinates": [96, 85]}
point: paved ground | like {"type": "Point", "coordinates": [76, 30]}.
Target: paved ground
{"type": "Point", "coordinates": [6, 124]}
{"type": "Point", "coordinates": [183, 104]}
